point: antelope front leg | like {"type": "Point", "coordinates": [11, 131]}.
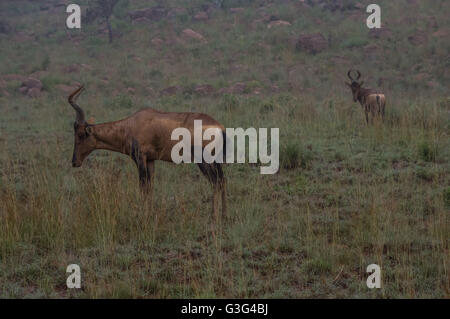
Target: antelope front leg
{"type": "Point", "coordinates": [144, 169]}
{"type": "Point", "coordinates": [374, 115]}
{"type": "Point", "coordinates": [144, 180]}
{"type": "Point", "coordinates": [366, 112]}
{"type": "Point", "coordinates": [149, 179]}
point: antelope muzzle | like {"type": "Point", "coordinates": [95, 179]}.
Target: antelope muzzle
{"type": "Point", "coordinates": [75, 161]}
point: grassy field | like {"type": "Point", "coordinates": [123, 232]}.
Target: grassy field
{"type": "Point", "coordinates": [347, 195]}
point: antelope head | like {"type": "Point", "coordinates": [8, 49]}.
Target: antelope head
{"type": "Point", "coordinates": [84, 140]}
{"type": "Point", "coordinates": [355, 86]}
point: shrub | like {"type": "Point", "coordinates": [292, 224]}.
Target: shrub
{"type": "Point", "coordinates": [49, 81]}
{"type": "Point", "coordinates": [275, 77]}
{"type": "Point", "coordinates": [447, 197]}
{"type": "Point", "coordinates": [292, 156]}
{"type": "Point", "coordinates": [427, 152]}
{"type": "Point", "coordinates": [267, 107]}
{"type": "Point", "coordinates": [230, 102]}
{"type": "Point", "coordinates": [45, 63]}
{"type": "Point", "coordinates": [317, 266]}
{"type": "Point", "coordinates": [425, 174]}
{"type": "Point", "coordinates": [355, 42]}
{"type": "Point", "coordinates": [251, 86]}
{"type": "Point", "coordinates": [154, 74]}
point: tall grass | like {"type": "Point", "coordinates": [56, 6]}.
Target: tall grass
{"type": "Point", "coordinates": [308, 231]}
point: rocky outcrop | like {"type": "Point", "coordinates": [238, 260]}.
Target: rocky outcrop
{"type": "Point", "coordinates": [312, 43]}
{"type": "Point", "coordinates": [277, 23]}
{"type": "Point", "coordinates": [75, 68]}
{"type": "Point", "coordinates": [201, 16]}
{"type": "Point", "coordinates": [169, 91]}
{"type": "Point", "coordinates": [32, 83]}
{"type": "Point", "coordinates": [418, 38]}
{"type": "Point", "coordinates": [31, 87]}
{"type": "Point", "coordinates": [177, 11]}
{"type": "Point", "coordinates": [152, 14]}
{"type": "Point", "coordinates": [189, 34]}
{"type": "Point", "coordinates": [204, 90]}
{"type": "Point", "coordinates": [236, 10]}
{"type": "Point", "coordinates": [381, 33]}
{"type": "Point", "coordinates": [157, 42]}
{"type": "Point", "coordinates": [237, 88]}
{"type": "Point", "coordinates": [33, 93]}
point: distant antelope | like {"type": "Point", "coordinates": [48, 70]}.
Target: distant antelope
{"type": "Point", "coordinates": [145, 136]}
{"type": "Point", "coordinates": [369, 99]}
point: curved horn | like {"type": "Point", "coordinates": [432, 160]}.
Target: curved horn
{"type": "Point", "coordinates": [349, 75]}
{"type": "Point", "coordinates": [359, 75]}
{"type": "Point", "coordinates": [72, 98]}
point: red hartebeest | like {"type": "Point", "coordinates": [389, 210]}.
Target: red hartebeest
{"type": "Point", "coordinates": [372, 101]}
{"type": "Point", "coordinates": [146, 137]}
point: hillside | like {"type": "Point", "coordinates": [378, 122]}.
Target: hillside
{"type": "Point", "coordinates": [239, 42]}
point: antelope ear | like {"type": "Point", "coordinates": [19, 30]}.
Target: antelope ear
{"type": "Point", "coordinates": [348, 84]}
{"type": "Point", "coordinates": [361, 84]}
{"type": "Point", "coordinates": [89, 130]}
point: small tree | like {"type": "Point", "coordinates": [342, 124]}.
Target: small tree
{"type": "Point", "coordinates": [104, 9]}
{"type": "Point", "coordinates": [107, 7]}
{"type": "Point", "coordinates": [219, 3]}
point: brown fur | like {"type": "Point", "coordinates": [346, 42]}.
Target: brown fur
{"type": "Point", "coordinates": [146, 137]}
{"type": "Point", "coordinates": [367, 98]}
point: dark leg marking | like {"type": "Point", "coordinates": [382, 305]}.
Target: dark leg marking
{"type": "Point", "coordinates": [214, 173]}
{"type": "Point", "coordinates": [136, 155]}
{"type": "Point", "coordinates": [208, 172]}
{"type": "Point", "coordinates": [219, 173]}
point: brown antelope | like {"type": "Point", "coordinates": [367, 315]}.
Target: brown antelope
{"type": "Point", "coordinates": [145, 136]}
{"type": "Point", "coordinates": [369, 99]}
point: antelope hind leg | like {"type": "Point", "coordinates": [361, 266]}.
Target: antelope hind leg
{"type": "Point", "coordinates": [213, 172]}
{"type": "Point", "coordinates": [215, 202]}
{"type": "Point", "coordinates": [208, 172]}
{"type": "Point", "coordinates": [221, 183]}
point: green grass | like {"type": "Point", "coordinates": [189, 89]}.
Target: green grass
{"type": "Point", "coordinates": [347, 195]}
{"type": "Point", "coordinates": [365, 196]}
